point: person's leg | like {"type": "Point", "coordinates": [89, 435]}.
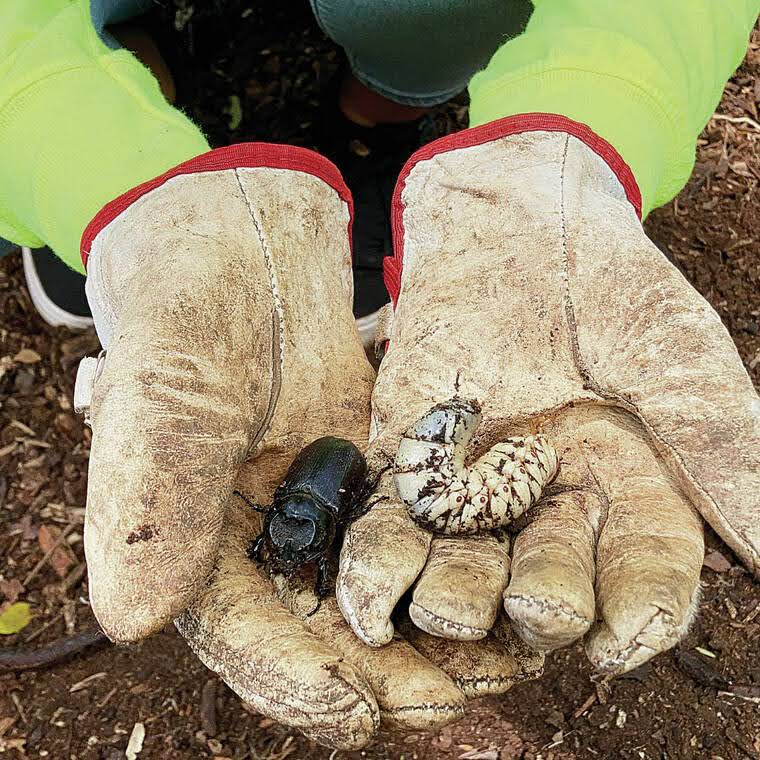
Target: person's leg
{"type": "Point", "coordinates": [419, 53]}
{"type": "Point", "coordinates": [404, 56]}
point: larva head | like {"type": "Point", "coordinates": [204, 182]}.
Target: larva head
{"type": "Point", "coordinates": [450, 422]}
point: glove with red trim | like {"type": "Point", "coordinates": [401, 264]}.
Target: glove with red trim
{"type": "Point", "coordinates": [222, 292]}
{"type": "Point", "coordinates": [523, 279]}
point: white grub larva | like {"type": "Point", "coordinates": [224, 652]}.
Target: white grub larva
{"type": "Point", "coordinates": [446, 496]}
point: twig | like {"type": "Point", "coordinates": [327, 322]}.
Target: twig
{"type": "Point", "coordinates": [107, 698]}
{"type": "Point", "coordinates": [753, 614]}
{"type": "Point", "coordinates": [19, 707]}
{"type": "Point", "coordinates": [73, 578]}
{"type": "Point", "coordinates": [48, 553]}
{"type": "Point", "coordinates": [16, 658]}
{"type": "Point", "coordinates": [85, 682]}
{"type": "Point", "coordinates": [44, 627]}
{"type": "Point", "coordinates": [737, 120]}
{"type": "Point", "coordinates": [582, 709]}
{"type": "Point", "coordinates": [208, 708]}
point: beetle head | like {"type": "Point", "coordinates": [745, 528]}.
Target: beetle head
{"type": "Point", "coordinates": [298, 530]}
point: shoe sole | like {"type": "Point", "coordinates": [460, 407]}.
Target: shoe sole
{"type": "Point", "coordinates": [367, 326]}
{"type": "Point", "coordinates": [50, 311]}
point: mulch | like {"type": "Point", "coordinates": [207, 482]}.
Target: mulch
{"type": "Point", "coordinates": [244, 78]}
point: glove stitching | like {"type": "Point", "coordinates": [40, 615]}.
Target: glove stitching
{"type": "Point", "coordinates": [429, 706]}
{"type": "Point", "coordinates": [634, 645]}
{"type": "Point", "coordinates": [201, 642]}
{"type": "Point", "coordinates": [474, 687]}
{"type": "Point", "coordinates": [278, 322]}
{"type": "Point", "coordinates": [591, 384]}
{"type": "Point", "coordinates": [548, 605]}
{"type": "Point", "coordinates": [443, 622]}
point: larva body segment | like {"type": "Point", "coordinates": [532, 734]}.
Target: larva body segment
{"type": "Point", "coordinates": [445, 496]}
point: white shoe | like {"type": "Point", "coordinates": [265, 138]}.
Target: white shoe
{"type": "Point", "coordinates": [57, 292]}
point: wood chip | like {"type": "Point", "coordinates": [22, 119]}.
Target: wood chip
{"type": "Point", "coordinates": [582, 709]}
{"type": "Point", "coordinates": [62, 558]}
{"type": "Point", "coordinates": [136, 739]}
{"type": "Point", "coordinates": [752, 615]}
{"type": "Point", "coordinates": [480, 754]}
{"type": "Point", "coordinates": [36, 443]}
{"type": "Point", "coordinates": [85, 682]}
{"type": "Point", "coordinates": [27, 356]}
{"type": "Point", "coordinates": [208, 707]}
{"type": "Point", "coordinates": [716, 562]}
{"type": "Point", "coordinates": [9, 449]}
{"type": "Point", "coordinates": [701, 671]}
{"type": "Point", "coordinates": [23, 428]}
{"type": "Point", "coordinates": [5, 725]}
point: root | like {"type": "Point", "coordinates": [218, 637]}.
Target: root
{"type": "Point", "coordinates": [19, 658]}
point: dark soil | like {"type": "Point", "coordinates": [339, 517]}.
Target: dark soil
{"type": "Point", "coordinates": [699, 701]}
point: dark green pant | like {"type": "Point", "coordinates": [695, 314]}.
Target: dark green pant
{"type": "Point", "coordinates": [420, 52]}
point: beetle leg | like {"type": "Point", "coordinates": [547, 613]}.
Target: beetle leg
{"type": "Point", "coordinates": [256, 549]}
{"type": "Point", "coordinates": [252, 504]}
{"type": "Point", "coordinates": [361, 506]}
{"type": "Point", "coordinates": [323, 584]}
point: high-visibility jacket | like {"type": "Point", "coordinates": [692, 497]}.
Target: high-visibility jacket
{"type": "Point", "coordinates": [82, 122]}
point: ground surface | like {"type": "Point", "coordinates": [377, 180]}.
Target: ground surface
{"type": "Point", "coordinates": [691, 703]}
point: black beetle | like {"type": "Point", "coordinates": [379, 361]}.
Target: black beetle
{"type": "Point", "coordinates": [322, 492]}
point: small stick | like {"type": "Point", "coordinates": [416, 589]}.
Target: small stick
{"type": "Point", "coordinates": [582, 709]}
{"type": "Point", "coordinates": [32, 636]}
{"type": "Point", "coordinates": [48, 554]}
{"type": "Point", "coordinates": [737, 120]}
{"type": "Point", "coordinates": [18, 658]}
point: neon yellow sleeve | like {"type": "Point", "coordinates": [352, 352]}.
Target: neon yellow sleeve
{"type": "Point", "coordinates": [646, 76]}
{"type": "Point", "coordinates": [79, 124]}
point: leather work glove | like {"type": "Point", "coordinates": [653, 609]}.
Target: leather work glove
{"type": "Point", "coordinates": [222, 292]}
{"type": "Point", "coordinates": [523, 280]}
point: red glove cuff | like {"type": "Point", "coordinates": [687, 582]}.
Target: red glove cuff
{"type": "Point", "coordinates": [241, 155]}
{"type": "Point", "coordinates": [510, 125]}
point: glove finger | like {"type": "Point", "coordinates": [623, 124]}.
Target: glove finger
{"type": "Point", "coordinates": [663, 354]}
{"type": "Point", "coordinates": [240, 630]}
{"type": "Point", "coordinates": [479, 668]}
{"type": "Point", "coordinates": [649, 558]}
{"type": "Point", "coordinates": [550, 597]}
{"type": "Point", "coordinates": [458, 595]}
{"type": "Point", "coordinates": [185, 389]}
{"type": "Point", "coordinates": [650, 548]}
{"type": "Point", "coordinates": [382, 555]}
{"type": "Point", "coordinates": [411, 692]}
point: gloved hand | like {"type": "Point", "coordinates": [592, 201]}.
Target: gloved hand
{"type": "Point", "coordinates": [222, 293]}
{"type": "Point", "coordinates": [523, 279]}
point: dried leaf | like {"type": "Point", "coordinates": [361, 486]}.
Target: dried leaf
{"type": "Point", "coordinates": [27, 356]}
{"type": "Point", "coordinates": [480, 754]}
{"type": "Point", "coordinates": [15, 618]}
{"type": "Point", "coordinates": [11, 590]}
{"type": "Point", "coordinates": [25, 528]}
{"type": "Point", "coordinates": [62, 559]}
{"type": "Point", "coordinates": [716, 562]}
{"type": "Point", "coordinates": [136, 739]}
